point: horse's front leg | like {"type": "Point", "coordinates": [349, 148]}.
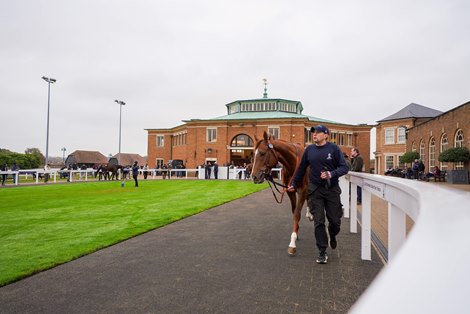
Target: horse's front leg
{"type": "Point", "coordinates": [292, 249]}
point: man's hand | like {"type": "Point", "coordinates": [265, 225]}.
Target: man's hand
{"type": "Point", "coordinates": [291, 189]}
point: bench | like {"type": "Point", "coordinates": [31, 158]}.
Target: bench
{"type": "Point", "coordinates": [441, 177]}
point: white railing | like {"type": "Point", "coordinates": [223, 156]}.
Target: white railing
{"type": "Point", "coordinates": [85, 175]}
{"type": "Point", "coordinates": [53, 174]}
{"type": "Point", "coordinates": [428, 270]}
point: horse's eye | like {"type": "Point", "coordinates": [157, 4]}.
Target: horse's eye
{"type": "Point", "coordinates": [262, 153]}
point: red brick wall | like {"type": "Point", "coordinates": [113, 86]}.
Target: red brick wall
{"type": "Point", "coordinates": [196, 149]}
{"type": "Point", "coordinates": [448, 123]}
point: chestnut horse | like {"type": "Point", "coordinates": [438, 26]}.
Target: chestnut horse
{"type": "Point", "coordinates": [268, 152]}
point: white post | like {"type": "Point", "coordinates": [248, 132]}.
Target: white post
{"type": "Point", "coordinates": [353, 203]}
{"type": "Point", "coordinates": [396, 230]}
{"type": "Point", "coordinates": [344, 185]}
{"type": "Point", "coordinates": [366, 225]}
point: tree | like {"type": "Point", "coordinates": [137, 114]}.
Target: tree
{"type": "Point", "coordinates": [409, 157]}
{"type": "Point", "coordinates": [36, 152]}
{"type": "Point", "coordinates": [455, 154]}
{"type": "Point", "coordinates": [24, 161]}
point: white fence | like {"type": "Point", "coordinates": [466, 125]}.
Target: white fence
{"type": "Point", "coordinates": [225, 173]}
{"type": "Point", "coordinates": [428, 270]}
{"type": "Point", "coordinates": [73, 175]}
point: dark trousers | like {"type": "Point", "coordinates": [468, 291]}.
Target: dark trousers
{"type": "Point", "coordinates": [359, 194]}
{"type": "Point", "coordinates": [135, 179]}
{"type": "Point", "coordinates": [323, 203]}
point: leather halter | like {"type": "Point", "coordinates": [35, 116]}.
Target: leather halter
{"type": "Point", "coordinates": [269, 177]}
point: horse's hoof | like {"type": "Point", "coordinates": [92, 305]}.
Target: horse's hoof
{"type": "Point", "coordinates": [291, 251]}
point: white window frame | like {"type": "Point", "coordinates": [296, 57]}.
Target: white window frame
{"type": "Point", "coordinates": [276, 129]}
{"type": "Point", "coordinates": [349, 139]}
{"type": "Point", "coordinates": [444, 144]}
{"type": "Point", "coordinates": [211, 134]}
{"type": "Point", "coordinates": [459, 141]}
{"type": "Point", "coordinates": [432, 153]}
{"type": "Point", "coordinates": [389, 136]}
{"type": "Point", "coordinates": [401, 135]}
{"type": "Point", "coordinates": [422, 151]}
{"type": "Point", "coordinates": [160, 140]}
{"type": "Point", "coordinates": [386, 162]}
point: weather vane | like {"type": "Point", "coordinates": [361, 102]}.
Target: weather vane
{"type": "Point", "coordinates": [265, 82]}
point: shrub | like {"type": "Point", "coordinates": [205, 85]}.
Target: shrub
{"type": "Point", "coordinates": [409, 157]}
{"type": "Point", "coordinates": [455, 154]}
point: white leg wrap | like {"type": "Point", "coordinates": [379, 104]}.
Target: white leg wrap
{"type": "Point", "coordinates": [293, 238]}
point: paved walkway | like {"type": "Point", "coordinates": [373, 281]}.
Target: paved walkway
{"type": "Point", "coordinates": [230, 259]}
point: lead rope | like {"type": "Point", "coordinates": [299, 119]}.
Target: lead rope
{"type": "Point", "coordinates": [271, 179]}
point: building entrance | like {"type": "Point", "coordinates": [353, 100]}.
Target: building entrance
{"type": "Point", "coordinates": [241, 150]}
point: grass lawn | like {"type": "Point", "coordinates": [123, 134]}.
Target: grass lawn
{"type": "Point", "coordinates": [43, 226]}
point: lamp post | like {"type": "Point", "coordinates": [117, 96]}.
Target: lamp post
{"type": "Point", "coordinates": [121, 103]}
{"type": "Point", "coordinates": [63, 149]}
{"type": "Point", "coordinates": [49, 80]}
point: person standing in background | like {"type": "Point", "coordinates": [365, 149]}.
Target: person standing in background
{"type": "Point", "coordinates": [135, 173]}
{"type": "Point", "coordinates": [16, 178]}
{"type": "Point", "coordinates": [216, 170]}
{"type": "Point", "coordinates": [4, 176]}
{"type": "Point", "coordinates": [145, 171]}
{"type": "Point", "coordinates": [47, 169]}
{"type": "Point", "coordinates": [356, 166]}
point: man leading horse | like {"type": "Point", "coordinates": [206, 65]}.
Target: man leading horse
{"type": "Point", "coordinates": [327, 164]}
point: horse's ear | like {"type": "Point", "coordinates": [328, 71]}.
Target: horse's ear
{"type": "Point", "coordinates": [265, 136]}
{"type": "Point", "coordinates": [256, 139]}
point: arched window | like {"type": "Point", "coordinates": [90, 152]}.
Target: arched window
{"type": "Point", "coordinates": [444, 145]}
{"type": "Point", "coordinates": [459, 138]}
{"type": "Point", "coordinates": [242, 140]}
{"type": "Point", "coordinates": [459, 143]}
{"type": "Point", "coordinates": [432, 153]}
{"type": "Point", "coordinates": [422, 149]}
{"type": "Point", "coordinates": [413, 147]}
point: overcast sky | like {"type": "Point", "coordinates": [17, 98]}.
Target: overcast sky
{"type": "Point", "coordinates": [347, 61]}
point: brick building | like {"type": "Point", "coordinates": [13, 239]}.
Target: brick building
{"type": "Point", "coordinates": [391, 134]}
{"type": "Point", "coordinates": [422, 129]}
{"type": "Point", "coordinates": [449, 129]}
{"type": "Point", "coordinates": [229, 139]}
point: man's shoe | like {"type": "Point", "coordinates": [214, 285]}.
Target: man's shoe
{"type": "Point", "coordinates": [322, 258]}
{"type": "Point", "coordinates": [333, 242]}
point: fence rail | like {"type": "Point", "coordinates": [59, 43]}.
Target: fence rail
{"type": "Point", "coordinates": [225, 173]}
{"type": "Point", "coordinates": [428, 269]}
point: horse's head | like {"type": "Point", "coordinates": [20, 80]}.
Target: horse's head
{"type": "Point", "coordinates": [264, 158]}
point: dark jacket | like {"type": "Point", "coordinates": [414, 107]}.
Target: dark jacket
{"type": "Point", "coordinates": [357, 164]}
{"type": "Point", "coordinates": [135, 170]}
{"type": "Point", "coordinates": [321, 158]}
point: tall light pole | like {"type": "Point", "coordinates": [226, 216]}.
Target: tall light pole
{"type": "Point", "coordinates": [63, 149]}
{"type": "Point", "coordinates": [49, 80]}
{"type": "Point", "coordinates": [121, 103]}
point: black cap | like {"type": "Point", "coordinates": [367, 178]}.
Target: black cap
{"type": "Point", "coordinates": [320, 129]}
